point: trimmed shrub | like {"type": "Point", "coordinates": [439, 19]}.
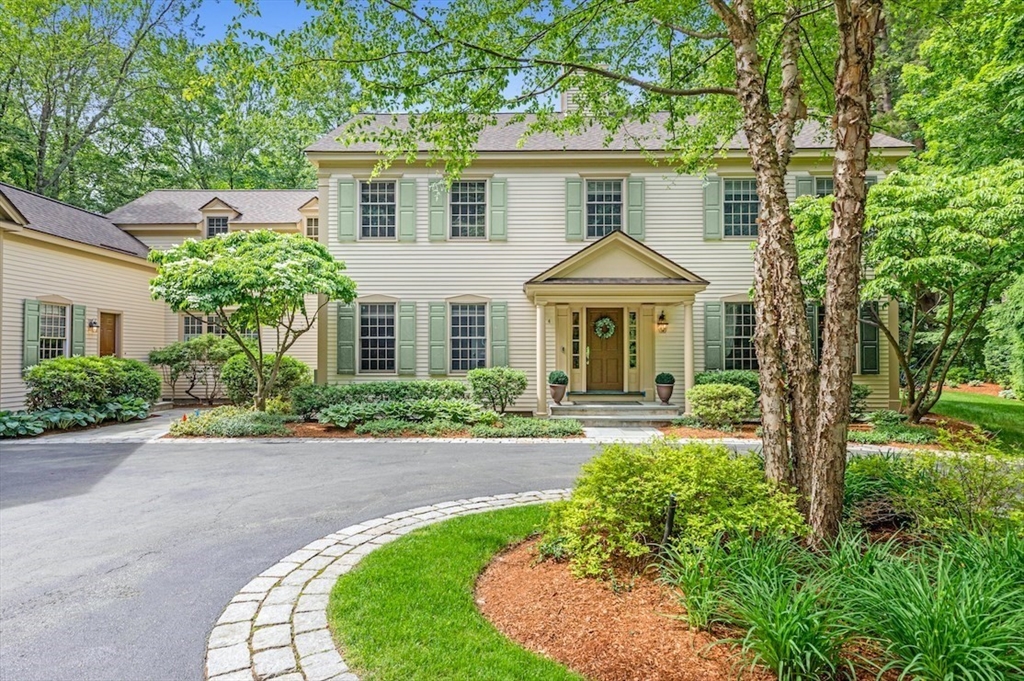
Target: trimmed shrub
{"type": "Point", "coordinates": [748, 379]}
{"type": "Point", "coordinates": [859, 401]}
{"type": "Point", "coordinates": [309, 400]}
{"type": "Point", "coordinates": [497, 387]}
{"type": "Point", "coordinates": [229, 421]}
{"type": "Point", "coordinates": [665, 378]}
{"type": "Point", "coordinates": [720, 404]}
{"type": "Point", "coordinates": [518, 426]}
{"type": "Point", "coordinates": [240, 378]}
{"type": "Point", "coordinates": [455, 411]}
{"type": "Point", "coordinates": [85, 382]}
{"type": "Point", "coordinates": [558, 378]}
{"type": "Point", "coordinates": [617, 510]}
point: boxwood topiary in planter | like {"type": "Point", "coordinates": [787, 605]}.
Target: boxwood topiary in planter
{"type": "Point", "coordinates": [558, 381]}
{"type": "Point", "coordinates": [664, 383]}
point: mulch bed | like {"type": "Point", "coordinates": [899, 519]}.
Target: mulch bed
{"type": "Point", "coordinates": [746, 431]}
{"type": "Point", "coordinates": [629, 634]}
{"type": "Point", "coordinates": [990, 389]}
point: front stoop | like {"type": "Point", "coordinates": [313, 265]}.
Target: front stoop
{"type": "Point", "coordinates": [616, 415]}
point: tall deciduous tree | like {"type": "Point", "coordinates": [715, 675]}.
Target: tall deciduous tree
{"type": "Point", "coordinates": [256, 282]}
{"type": "Point", "coordinates": [708, 68]}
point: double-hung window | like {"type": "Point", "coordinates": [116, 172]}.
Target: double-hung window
{"type": "Point", "coordinates": [195, 325]}
{"type": "Point", "coordinates": [468, 206]}
{"type": "Point", "coordinates": [604, 207]}
{"type": "Point", "coordinates": [377, 338]}
{"type": "Point", "coordinates": [740, 208]}
{"type": "Point", "coordinates": [313, 228]}
{"type": "Point", "coordinates": [823, 186]}
{"type": "Point", "coordinates": [216, 224]}
{"type": "Point", "coordinates": [377, 209]}
{"type": "Point", "coordinates": [739, 336]}
{"type": "Point", "coordinates": [468, 336]}
{"type": "Point", "coordinates": [53, 331]}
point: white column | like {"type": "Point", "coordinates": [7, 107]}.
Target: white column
{"type": "Point", "coordinates": [688, 350]}
{"type": "Point", "coordinates": [542, 364]}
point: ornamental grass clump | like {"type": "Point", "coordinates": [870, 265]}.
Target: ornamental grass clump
{"type": "Point", "coordinates": [616, 514]}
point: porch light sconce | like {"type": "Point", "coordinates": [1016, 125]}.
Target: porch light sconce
{"type": "Point", "coordinates": [662, 323]}
{"type": "Point", "coordinates": [94, 326]}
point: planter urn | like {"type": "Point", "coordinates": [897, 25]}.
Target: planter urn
{"type": "Point", "coordinates": [557, 392]}
{"type": "Point", "coordinates": [664, 391]}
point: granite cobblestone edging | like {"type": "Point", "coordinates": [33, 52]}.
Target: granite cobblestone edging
{"type": "Point", "coordinates": [276, 627]}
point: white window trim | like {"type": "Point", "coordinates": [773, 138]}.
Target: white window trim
{"type": "Point", "coordinates": [466, 300]}
{"type": "Point", "coordinates": [55, 301]}
{"type": "Point", "coordinates": [735, 237]}
{"type": "Point", "coordinates": [359, 209]}
{"type": "Point", "coordinates": [623, 214]}
{"type": "Point", "coordinates": [206, 223]}
{"type": "Point", "coordinates": [374, 300]}
{"type": "Point", "coordinates": [487, 211]}
{"type": "Point", "coordinates": [306, 220]}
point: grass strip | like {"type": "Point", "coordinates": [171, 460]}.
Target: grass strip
{"type": "Point", "coordinates": [1001, 416]}
{"type": "Point", "coordinates": [407, 611]}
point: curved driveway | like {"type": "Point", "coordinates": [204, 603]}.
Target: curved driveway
{"type": "Point", "coordinates": [117, 559]}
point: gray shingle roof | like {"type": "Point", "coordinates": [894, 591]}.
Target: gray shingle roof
{"type": "Point", "coordinates": [53, 217]}
{"type": "Point", "coordinates": [505, 136]}
{"type": "Point", "coordinates": [181, 206]}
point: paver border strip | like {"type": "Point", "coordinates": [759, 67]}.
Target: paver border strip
{"type": "Point", "coordinates": [276, 626]}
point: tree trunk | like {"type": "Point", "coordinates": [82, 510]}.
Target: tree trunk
{"type": "Point", "coordinates": [857, 27]}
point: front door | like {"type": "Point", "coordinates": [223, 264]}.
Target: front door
{"type": "Point", "coordinates": [604, 366]}
{"type": "Point", "coordinates": [108, 333]}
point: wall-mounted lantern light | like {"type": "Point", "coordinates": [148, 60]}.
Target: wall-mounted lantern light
{"type": "Point", "coordinates": [94, 326]}
{"type": "Point", "coordinates": [662, 323]}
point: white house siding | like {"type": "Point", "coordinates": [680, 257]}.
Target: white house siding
{"type": "Point", "coordinates": [33, 269]}
{"type": "Point", "coordinates": [426, 271]}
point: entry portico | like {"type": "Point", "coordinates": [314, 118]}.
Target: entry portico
{"type": "Point", "coordinates": [610, 299]}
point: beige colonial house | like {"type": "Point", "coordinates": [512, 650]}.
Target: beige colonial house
{"type": "Point", "coordinates": [558, 253]}
{"type": "Point", "coordinates": [71, 283]}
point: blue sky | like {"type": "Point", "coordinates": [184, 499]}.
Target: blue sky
{"type": "Point", "coordinates": [274, 16]}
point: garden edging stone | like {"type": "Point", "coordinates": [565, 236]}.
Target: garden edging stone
{"type": "Point", "coordinates": [276, 626]}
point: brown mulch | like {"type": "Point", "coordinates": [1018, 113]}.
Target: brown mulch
{"type": "Point", "coordinates": [607, 635]}
{"type": "Point", "coordinates": [990, 389]}
{"type": "Point", "coordinates": [746, 431]}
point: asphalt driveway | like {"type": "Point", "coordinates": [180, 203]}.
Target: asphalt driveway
{"type": "Point", "coordinates": [117, 559]}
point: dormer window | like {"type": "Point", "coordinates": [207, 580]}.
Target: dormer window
{"type": "Point", "coordinates": [313, 228]}
{"type": "Point", "coordinates": [216, 225]}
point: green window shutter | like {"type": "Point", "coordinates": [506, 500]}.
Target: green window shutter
{"type": "Point", "coordinates": [870, 181]}
{"type": "Point", "coordinates": [438, 338]}
{"type": "Point", "coordinates": [869, 361]}
{"type": "Point", "coordinates": [804, 185]}
{"type": "Point", "coordinates": [346, 338]}
{"type": "Point", "coordinates": [438, 203]}
{"type": "Point", "coordinates": [812, 324]}
{"type": "Point", "coordinates": [346, 210]}
{"type": "Point", "coordinates": [407, 210]}
{"type": "Point", "coordinates": [499, 210]}
{"type": "Point", "coordinates": [499, 334]}
{"type": "Point", "coordinates": [713, 207]}
{"type": "Point", "coordinates": [574, 210]}
{"type": "Point", "coordinates": [78, 330]}
{"type": "Point", "coordinates": [713, 332]}
{"type": "Point", "coordinates": [635, 208]}
{"type": "Point", "coordinates": [407, 338]}
{"type": "Point", "coordinates": [30, 335]}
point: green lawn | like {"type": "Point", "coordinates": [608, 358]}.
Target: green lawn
{"type": "Point", "coordinates": [1005, 417]}
{"type": "Point", "coordinates": [407, 611]}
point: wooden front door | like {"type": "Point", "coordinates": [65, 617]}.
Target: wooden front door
{"type": "Point", "coordinates": [108, 333]}
{"type": "Point", "coordinates": [604, 366]}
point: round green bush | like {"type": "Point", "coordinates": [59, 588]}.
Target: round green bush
{"type": "Point", "coordinates": [665, 378]}
{"type": "Point", "coordinates": [748, 379]}
{"type": "Point", "coordinates": [87, 382]}
{"type": "Point", "coordinates": [497, 387]}
{"type": "Point", "coordinates": [558, 378]}
{"type": "Point", "coordinates": [617, 510]}
{"type": "Point", "coordinates": [720, 404]}
{"type": "Point", "coordinates": [239, 378]}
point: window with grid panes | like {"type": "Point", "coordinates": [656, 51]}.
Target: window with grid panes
{"type": "Point", "coordinates": [604, 207]}
{"type": "Point", "coordinates": [192, 327]}
{"type": "Point", "coordinates": [377, 337]}
{"type": "Point", "coordinates": [823, 186]}
{"type": "Point", "coordinates": [216, 225]}
{"type": "Point", "coordinates": [739, 336]}
{"type": "Point", "coordinates": [740, 208]}
{"type": "Point", "coordinates": [632, 340]}
{"type": "Point", "coordinates": [377, 210]}
{"type": "Point", "coordinates": [468, 206]}
{"type": "Point", "coordinates": [575, 340]}
{"type": "Point", "coordinates": [313, 228]}
{"type": "Point", "coordinates": [53, 331]}
{"type": "Point", "coordinates": [468, 336]}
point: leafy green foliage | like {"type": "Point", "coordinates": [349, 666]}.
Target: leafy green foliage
{"type": "Point", "coordinates": [664, 378]}
{"type": "Point", "coordinates": [497, 387]}
{"type": "Point", "coordinates": [558, 378]}
{"type": "Point", "coordinates": [748, 379]}
{"type": "Point", "coordinates": [398, 428]}
{"type": "Point", "coordinates": [198, 362]}
{"type": "Point", "coordinates": [859, 400]}
{"type": "Point", "coordinates": [21, 424]}
{"type": "Point", "coordinates": [310, 399]}
{"type": "Point", "coordinates": [518, 426]}
{"type": "Point", "coordinates": [891, 426]}
{"type": "Point", "coordinates": [349, 414]}
{"type": "Point", "coordinates": [720, 404]}
{"type": "Point", "coordinates": [256, 280]}
{"type": "Point", "coordinates": [697, 572]}
{"type": "Point", "coordinates": [1004, 351]}
{"type": "Point", "coordinates": [231, 421]}
{"type": "Point", "coordinates": [240, 379]}
{"type": "Point", "coordinates": [86, 382]}
{"type": "Point", "coordinates": [617, 510]}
